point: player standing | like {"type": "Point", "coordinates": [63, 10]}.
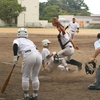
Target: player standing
{"type": "Point", "coordinates": [31, 63]}
{"type": "Point", "coordinates": [73, 28]}
{"type": "Point", "coordinates": [96, 84]}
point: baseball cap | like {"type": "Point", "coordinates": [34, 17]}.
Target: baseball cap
{"type": "Point", "coordinates": [98, 35]}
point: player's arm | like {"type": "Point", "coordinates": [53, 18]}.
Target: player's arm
{"type": "Point", "coordinates": [15, 49]}
{"type": "Point", "coordinates": [66, 27]}
{"type": "Point", "coordinates": [43, 64]}
{"type": "Point", "coordinates": [61, 29]}
{"type": "Point", "coordinates": [74, 44]}
{"type": "Point", "coordinates": [48, 56]}
{"type": "Point", "coordinates": [97, 51]}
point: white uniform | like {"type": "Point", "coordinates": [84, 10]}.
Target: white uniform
{"type": "Point", "coordinates": [72, 28]}
{"type": "Point", "coordinates": [97, 44]}
{"type": "Point", "coordinates": [68, 50]}
{"type": "Point", "coordinates": [32, 61]}
{"type": "Point", "coordinates": [50, 61]}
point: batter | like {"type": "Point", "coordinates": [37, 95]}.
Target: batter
{"type": "Point", "coordinates": [31, 62]}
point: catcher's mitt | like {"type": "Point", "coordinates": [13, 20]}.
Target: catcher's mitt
{"type": "Point", "coordinates": [55, 22]}
{"type": "Point", "coordinates": [90, 67]}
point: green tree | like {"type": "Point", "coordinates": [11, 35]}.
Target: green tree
{"type": "Point", "coordinates": [9, 9]}
{"type": "Point", "coordinates": [53, 8]}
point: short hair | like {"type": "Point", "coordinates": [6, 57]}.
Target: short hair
{"type": "Point", "coordinates": [98, 35]}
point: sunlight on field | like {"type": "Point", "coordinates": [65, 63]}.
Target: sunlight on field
{"type": "Point", "coordinates": [48, 31]}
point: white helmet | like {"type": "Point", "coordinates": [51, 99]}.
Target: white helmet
{"type": "Point", "coordinates": [22, 32]}
{"type": "Point", "coordinates": [45, 42]}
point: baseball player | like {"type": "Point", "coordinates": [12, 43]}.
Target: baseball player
{"type": "Point", "coordinates": [96, 84]}
{"type": "Point", "coordinates": [73, 28]}
{"type": "Point", "coordinates": [47, 57]}
{"type": "Point", "coordinates": [66, 44]}
{"type": "Point", "coordinates": [31, 62]}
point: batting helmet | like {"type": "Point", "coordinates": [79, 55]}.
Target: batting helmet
{"type": "Point", "coordinates": [45, 42]}
{"type": "Point", "coordinates": [90, 67]}
{"type": "Point", "coordinates": [22, 32]}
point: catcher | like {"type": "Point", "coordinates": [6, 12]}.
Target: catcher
{"type": "Point", "coordinates": [96, 84]}
{"type": "Point", "coordinates": [66, 44]}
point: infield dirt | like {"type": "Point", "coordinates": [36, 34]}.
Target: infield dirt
{"type": "Point", "coordinates": [57, 85]}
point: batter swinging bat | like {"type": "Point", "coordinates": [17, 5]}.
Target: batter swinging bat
{"type": "Point", "coordinates": [8, 78]}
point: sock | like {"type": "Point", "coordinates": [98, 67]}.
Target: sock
{"type": "Point", "coordinates": [26, 94]}
{"type": "Point", "coordinates": [35, 93]}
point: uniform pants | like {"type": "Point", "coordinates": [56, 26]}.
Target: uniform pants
{"type": "Point", "coordinates": [31, 65]}
{"type": "Point", "coordinates": [66, 54]}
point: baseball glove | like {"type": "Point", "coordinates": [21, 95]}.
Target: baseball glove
{"type": "Point", "coordinates": [90, 67]}
{"type": "Point", "coordinates": [55, 22]}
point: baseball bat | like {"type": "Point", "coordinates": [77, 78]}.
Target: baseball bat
{"type": "Point", "coordinates": [7, 79]}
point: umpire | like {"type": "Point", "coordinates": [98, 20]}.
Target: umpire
{"type": "Point", "coordinates": [96, 84]}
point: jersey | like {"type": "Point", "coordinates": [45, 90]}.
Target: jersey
{"type": "Point", "coordinates": [45, 53]}
{"type": "Point", "coordinates": [24, 45]}
{"type": "Point", "coordinates": [73, 26]}
{"type": "Point", "coordinates": [97, 44]}
{"type": "Point", "coordinates": [65, 38]}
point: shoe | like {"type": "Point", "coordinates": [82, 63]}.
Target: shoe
{"type": "Point", "coordinates": [26, 98]}
{"type": "Point", "coordinates": [70, 70]}
{"type": "Point", "coordinates": [42, 69]}
{"type": "Point", "coordinates": [33, 98]}
{"type": "Point", "coordinates": [93, 87]}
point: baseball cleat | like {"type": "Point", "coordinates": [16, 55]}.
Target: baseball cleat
{"type": "Point", "coordinates": [33, 98]}
{"type": "Point", "coordinates": [93, 87]}
{"type": "Point", "coordinates": [26, 98]}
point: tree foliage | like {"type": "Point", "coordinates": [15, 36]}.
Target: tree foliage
{"type": "Point", "coordinates": [53, 8]}
{"type": "Point", "coordinates": [9, 9]}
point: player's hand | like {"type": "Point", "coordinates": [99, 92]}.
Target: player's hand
{"type": "Point", "coordinates": [54, 53]}
{"type": "Point", "coordinates": [15, 60]}
{"type": "Point", "coordinates": [92, 59]}
{"type": "Point", "coordinates": [77, 31]}
{"type": "Point", "coordinates": [77, 48]}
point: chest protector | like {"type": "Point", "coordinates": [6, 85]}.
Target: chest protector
{"type": "Point", "coordinates": [60, 42]}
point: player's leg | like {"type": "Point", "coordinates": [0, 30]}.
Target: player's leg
{"type": "Point", "coordinates": [34, 77]}
{"type": "Point", "coordinates": [96, 84]}
{"type": "Point", "coordinates": [27, 64]}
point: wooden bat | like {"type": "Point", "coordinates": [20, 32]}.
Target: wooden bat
{"type": "Point", "coordinates": [7, 79]}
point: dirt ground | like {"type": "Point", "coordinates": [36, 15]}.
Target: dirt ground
{"type": "Point", "coordinates": [56, 85]}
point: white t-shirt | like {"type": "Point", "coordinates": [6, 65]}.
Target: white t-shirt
{"type": "Point", "coordinates": [65, 38]}
{"type": "Point", "coordinates": [45, 53]}
{"type": "Point", "coordinates": [97, 44]}
{"type": "Point", "coordinates": [25, 44]}
{"type": "Point", "coordinates": [73, 26]}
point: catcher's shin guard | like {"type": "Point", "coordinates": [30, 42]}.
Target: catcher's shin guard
{"type": "Point", "coordinates": [96, 84]}
{"type": "Point", "coordinates": [74, 62]}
